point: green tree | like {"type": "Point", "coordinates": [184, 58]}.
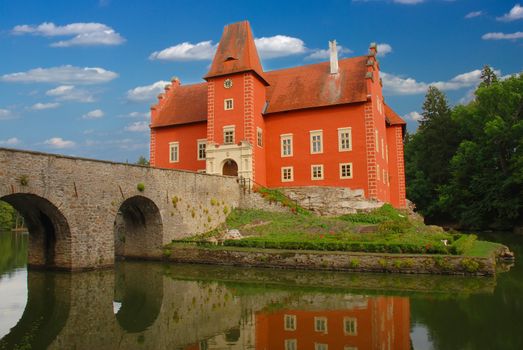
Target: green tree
{"type": "Point", "coordinates": [142, 161]}
{"type": "Point", "coordinates": [488, 76]}
{"type": "Point", "coordinates": [428, 153]}
{"type": "Point", "coordinates": [7, 214]}
{"type": "Point", "coordinates": [485, 189]}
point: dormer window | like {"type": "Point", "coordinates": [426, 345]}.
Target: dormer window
{"type": "Point", "coordinates": [230, 58]}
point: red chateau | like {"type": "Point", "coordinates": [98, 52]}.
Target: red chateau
{"type": "Point", "coordinates": [323, 124]}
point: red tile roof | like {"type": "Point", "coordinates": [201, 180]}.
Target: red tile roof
{"type": "Point", "coordinates": [313, 86]}
{"type": "Point", "coordinates": [182, 105]}
{"type": "Point", "coordinates": [236, 52]}
{"type": "Point", "coordinates": [392, 117]}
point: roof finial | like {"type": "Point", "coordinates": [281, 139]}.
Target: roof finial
{"type": "Point", "coordinates": [333, 56]}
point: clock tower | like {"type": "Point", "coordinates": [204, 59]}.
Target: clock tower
{"type": "Point", "coordinates": [235, 101]}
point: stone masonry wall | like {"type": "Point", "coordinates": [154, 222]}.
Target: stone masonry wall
{"type": "Point", "coordinates": [331, 201]}
{"type": "Point", "coordinates": [89, 194]}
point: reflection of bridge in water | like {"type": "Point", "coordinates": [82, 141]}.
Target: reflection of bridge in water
{"type": "Point", "coordinates": [192, 307]}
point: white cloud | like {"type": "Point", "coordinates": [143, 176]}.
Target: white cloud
{"type": "Point", "coordinates": [137, 127]}
{"type": "Point", "coordinates": [415, 116]}
{"type": "Point", "coordinates": [136, 115]}
{"type": "Point", "coordinates": [515, 13]}
{"type": "Point", "coordinates": [502, 36]}
{"type": "Point", "coordinates": [473, 14]}
{"type": "Point", "coordinates": [59, 143]}
{"type": "Point", "coordinates": [42, 106]}
{"type": "Point", "coordinates": [62, 75]}
{"type": "Point", "coordinates": [279, 46]}
{"type": "Point", "coordinates": [84, 34]}
{"type": "Point", "coordinates": [186, 51]}
{"type": "Point", "coordinates": [408, 2]}
{"type": "Point", "coordinates": [5, 114]}
{"type": "Point", "coordinates": [147, 92]}
{"type": "Point", "coordinates": [13, 141]}
{"type": "Point", "coordinates": [323, 54]}
{"type": "Point", "coordinates": [397, 85]}
{"type": "Point", "coordinates": [384, 49]}
{"type": "Point", "coordinates": [70, 93]}
{"type": "Point", "coordinates": [95, 114]}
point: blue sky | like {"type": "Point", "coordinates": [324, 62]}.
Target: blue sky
{"type": "Point", "coordinates": [78, 77]}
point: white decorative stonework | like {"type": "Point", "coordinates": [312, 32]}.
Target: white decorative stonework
{"type": "Point", "coordinates": [241, 153]}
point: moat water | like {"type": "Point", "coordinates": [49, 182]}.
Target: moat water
{"type": "Point", "coordinates": [144, 305]}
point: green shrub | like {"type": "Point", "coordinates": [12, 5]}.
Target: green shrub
{"type": "Point", "coordinates": [462, 244]}
{"type": "Point", "coordinates": [175, 201]}
{"type": "Point", "coordinates": [24, 180]}
{"type": "Point", "coordinates": [140, 187]}
{"type": "Point", "coordinates": [394, 226]}
{"type": "Point", "coordinates": [354, 263]}
{"type": "Point", "coordinates": [470, 265]}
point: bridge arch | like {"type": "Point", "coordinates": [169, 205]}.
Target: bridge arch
{"type": "Point", "coordinates": [138, 229]}
{"type": "Point", "coordinates": [49, 232]}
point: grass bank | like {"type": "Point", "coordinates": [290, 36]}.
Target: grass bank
{"type": "Point", "coordinates": [384, 230]}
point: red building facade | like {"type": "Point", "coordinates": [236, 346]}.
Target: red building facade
{"type": "Point", "coordinates": [323, 124]}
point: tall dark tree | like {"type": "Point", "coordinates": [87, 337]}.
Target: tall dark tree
{"type": "Point", "coordinates": [488, 76]}
{"type": "Point", "coordinates": [428, 154]}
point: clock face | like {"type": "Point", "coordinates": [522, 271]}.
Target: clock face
{"type": "Point", "coordinates": [227, 83]}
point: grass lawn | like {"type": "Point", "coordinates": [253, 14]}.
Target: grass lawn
{"type": "Point", "coordinates": [384, 230]}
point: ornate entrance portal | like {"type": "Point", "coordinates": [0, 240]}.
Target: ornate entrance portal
{"type": "Point", "coordinates": [230, 168]}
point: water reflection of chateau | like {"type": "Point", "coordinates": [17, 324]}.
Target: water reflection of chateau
{"type": "Point", "coordinates": [194, 311]}
{"type": "Point", "coordinates": [367, 323]}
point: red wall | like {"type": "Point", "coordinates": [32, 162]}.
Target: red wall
{"type": "Point", "coordinates": [187, 136]}
{"type": "Point", "coordinates": [300, 123]}
{"type": "Point", "coordinates": [383, 324]}
{"type": "Point", "coordinates": [396, 166]}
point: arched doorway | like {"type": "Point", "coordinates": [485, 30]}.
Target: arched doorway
{"type": "Point", "coordinates": [49, 233]}
{"type": "Point", "coordinates": [138, 229]}
{"type": "Point", "coordinates": [230, 168]}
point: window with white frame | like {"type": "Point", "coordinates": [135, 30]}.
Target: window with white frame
{"type": "Point", "coordinates": [344, 139]}
{"type": "Point", "coordinates": [350, 326]}
{"type": "Point", "coordinates": [345, 170]}
{"type": "Point", "coordinates": [228, 135]}
{"type": "Point", "coordinates": [317, 172]}
{"type": "Point", "coordinates": [286, 145]}
{"type": "Point", "coordinates": [387, 153]}
{"type": "Point", "coordinates": [289, 322]}
{"type": "Point", "coordinates": [291, 344]}
{"type": "Point", "coordinates": [287, 174]}
{"type": "Point", "coordinates": [378, 171]}
{"type": "Point", "coordinates": [228, 104]}
{"type": "Point", "coordinates": [259, 135]}
{"type": "Point", "coordinates": [382, 149]}
{"type": "Point", "coordinates": [174, 152]}
{"type": "Point", "coordinates": [320, 324]}
{"type": "Point", "coordinates": [316, 141]}
{"type": "Point", "coordinates": [321, 346]}
{"type": "Point", "coordinates": [202, 145]}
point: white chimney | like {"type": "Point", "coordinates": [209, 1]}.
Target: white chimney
{"type": "Point", "coordinates": [334, 56]}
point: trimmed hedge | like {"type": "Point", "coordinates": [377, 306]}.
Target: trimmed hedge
{"type": "Point", "coordinates": [372, 247]}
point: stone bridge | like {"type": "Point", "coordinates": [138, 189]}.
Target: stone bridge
{"type": "Point", "coordinates": [81, 213]}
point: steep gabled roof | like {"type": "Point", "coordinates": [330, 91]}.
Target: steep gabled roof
{"type": "Point", "coordinates": [313, 86]}
{"type": "Point", "coordinates": [183, 104]}
{"type": "Point", "coordinates": [392, 117]}
{"type": "Point", "coordinates": [236, 52]}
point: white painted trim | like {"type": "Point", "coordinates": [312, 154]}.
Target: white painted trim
{"type": "Point", "coordinates": [225, 104]}
{"type": "Point", "coordinates": [283, 168]}
{"type": "Point", "coordinates": [342, 131]}
{"type": "Point", "coordinates": [229, 128]}
{"type": "Point", "coordinates": [341, 172]}
{"type": "Point", "coordinates": [174, 145]}
{"type": "Point", "coordinates": [322, 172]}
{"type": "Point", "coordinates": [316, 133]}
{"type": "Point", "coordinates": [293, 317]}
{"type": "Point", "coordinates": [286, 137]}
